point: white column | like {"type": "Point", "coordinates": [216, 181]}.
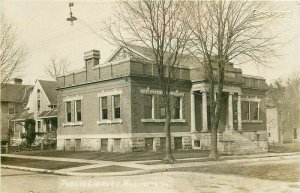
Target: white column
{"type": "Point", "coordinates": [153, 110]}
{"type": "Point", "coordinates": [204, 112]}
{"type": "Point", "coordinates": [193, 120]}
{"type": "Point", "coordinates": [239, 112]}
{"type": "Point", "coordinates": [230, 113]}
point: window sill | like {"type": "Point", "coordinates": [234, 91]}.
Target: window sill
{"type": "Point", "coordinates": [162, 120]}
{"type": "Point", "coordinates": [252, 121]}
{"type": "Point", "coordinates": [115, 121]}
{"type": "Point", "coordinates": [73, 124]}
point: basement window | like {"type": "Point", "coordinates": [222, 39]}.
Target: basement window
{"type": "Point", "coordinates": [197, 143]}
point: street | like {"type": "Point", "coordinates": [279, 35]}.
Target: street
{"type": "Point", "coordinates": [14, 181]}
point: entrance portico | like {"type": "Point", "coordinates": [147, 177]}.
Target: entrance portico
{"type": "Point", "coordinates": [229, 92]}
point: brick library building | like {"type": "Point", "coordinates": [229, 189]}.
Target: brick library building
{"type": "Point", "coordinates": [117, 106]}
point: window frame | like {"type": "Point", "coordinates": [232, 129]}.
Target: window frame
{"type": "Point", "coordinates": [13, 108]}
{"type": "Point", "coordinates": [180, 108]}
{"type": "Point", "coordinates": [110, 107]}
{"type": "Point", "coordinates": [66, 111]}
{"type": "Point", "coordinates": [39, 126]}
{"type": "Point", "coordinates": [101, 107]}
{"type": "Point", "coordinates": [152, 107]}
{"type": "Point", "coordinates": [253, 107]}
{"type": "Point", "coordinates": [113, 107]}
{"type": "Point", "coordinates": [75, 109]}
{"type": "Point", "coordinates": [256, 111]}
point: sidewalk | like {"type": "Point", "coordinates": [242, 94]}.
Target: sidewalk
{"type": "Point", "coordinates": [104, 168]}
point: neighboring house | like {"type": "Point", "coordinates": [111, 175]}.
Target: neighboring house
{"type": "Point", "coordinates": [42, 107]}
{"type": "Point", "coordinates": [14, 98]}
{"type": "Point", "coordinates": [272, 125]}
{"type": "Point", "coordinates": [283, 111]}
{"type": "Point", "coordinates": [117, 106]}
{"type": "Point", "coordinates": [280, 127]}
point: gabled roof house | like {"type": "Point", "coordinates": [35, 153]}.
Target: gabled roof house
{"type": "Point", "coordinates": [42, 107]}
{"type": "Point", "coordinates": [14, 98]}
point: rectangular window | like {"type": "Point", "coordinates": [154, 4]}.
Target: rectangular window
{"type": "Point", "coordinates": [68, 111]}
{"type": "Point", "coordinates": [254, 111]}
{"type": "Point", "coordinates": [38, 105]}
{"type": "Point", "coordinates": [250, 110]}
{"type": "Point", "coordinates": [162, 110]}
{"type": "Point", "coordinates": [176, 108]}
{"type": "Point", "coordinates": [116, 107]}
{"type": "Point", "coordinates": [11, 108]}
{"type": "Point", "coordinates": [178, 142]}
{"type": "Point", "coordinates": [148, 144]}
{"type": "Point", "coordinates": [103, 105]}
{"type": "Point", "coordinates": [246, 110]}
{"type": "Point", "coordinates": [196, 143]}
{"type": "Point", "coordinates": [148, 106]}
{"type": "Point", "coordinates": [78, 110]}
{"type": "Point", "coordinates": [39, 125]}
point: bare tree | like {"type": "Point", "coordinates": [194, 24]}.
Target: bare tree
{"type": "Point", "coordinates": [56, 67]}
{"type": "Point", "coordinates": [224, 31]}
{"type": "Point", "coordinates": [157, 26]}
{"type": "Point", "coordinates": [12, 52]}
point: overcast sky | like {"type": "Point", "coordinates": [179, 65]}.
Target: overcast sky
{"type": "Point", "coordinates": [41, 25]}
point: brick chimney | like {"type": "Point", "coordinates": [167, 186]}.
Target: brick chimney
{"type": "Point", "coordinates": [18, 80]}
{"type": "Point", "coordinates": [91, 58]}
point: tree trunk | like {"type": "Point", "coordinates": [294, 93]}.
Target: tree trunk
{"type": "Point", "coordinates": [214, 131]}
{"type": "Point", "coordinates": [214, 134]}
{"type": "Point", "coordinates": [168, 155]}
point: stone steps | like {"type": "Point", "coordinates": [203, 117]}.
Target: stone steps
{"type": "Point", "coordinates": [236, 143]}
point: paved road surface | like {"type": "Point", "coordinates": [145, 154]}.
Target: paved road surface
{"type": "Point", "coordinates": [20, 181]}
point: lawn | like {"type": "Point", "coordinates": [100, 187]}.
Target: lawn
{"type": "Point", "coordinates": [284, 148]}
{"type": "Point", "coordinates": [117, 156]}
{"type": "Point", "coordinates": [41, 164]}
{"type": "Point", "coordinates": [279, 172]}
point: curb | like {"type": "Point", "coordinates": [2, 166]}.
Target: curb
{"type": "Point", "coordinates": [104, 174]}
{"type": "Point", "coordinates": [28, 169]}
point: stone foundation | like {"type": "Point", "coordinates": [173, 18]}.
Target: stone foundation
{"type": "Point", "coordinates": [228, 143]}
{"type": "Point", "coordinates": [125, 144]}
